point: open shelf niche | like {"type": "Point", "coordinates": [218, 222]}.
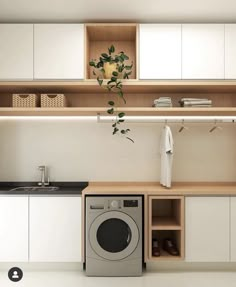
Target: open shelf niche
{"type": "Point", "coordinates": [166, 220]}
{"type": "Point", "coordinates": [99, 37]}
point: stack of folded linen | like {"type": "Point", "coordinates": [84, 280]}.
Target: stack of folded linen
{"type": "Point", "coordinates": [163, 102]}
{"type": "Point", "coordinates": [195, 102]}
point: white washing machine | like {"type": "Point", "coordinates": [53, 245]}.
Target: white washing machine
{"type": "Point", "coordinates": [114, 235]}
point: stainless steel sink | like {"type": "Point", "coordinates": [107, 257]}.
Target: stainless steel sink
{"type": "Point", "coordinates": [35, 188]}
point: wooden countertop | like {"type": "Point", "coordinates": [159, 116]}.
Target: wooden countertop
{"type": "Point", "coordinates": [154, 188]}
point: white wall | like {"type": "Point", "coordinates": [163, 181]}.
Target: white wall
{"type": "Point", "coordinates": [77, 151]}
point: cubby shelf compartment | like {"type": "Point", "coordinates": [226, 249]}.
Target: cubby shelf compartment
{"type": "Point", "coordinates": [166, 220]}
{"type": "Point", "coordinates": [99, 37]}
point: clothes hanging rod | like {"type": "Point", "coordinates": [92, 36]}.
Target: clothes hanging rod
{"type": "Point", "coordinates": [169, 119]}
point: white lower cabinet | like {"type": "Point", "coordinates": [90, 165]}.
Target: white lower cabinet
{"type": "Point", "coordinates": [233, 229]}
{"type": "Point", "coordinates": [14, 228]}
{"type": "Point", "coordinates": [55, 229]}
{"type": "Point", "coordinates": [207, 237]}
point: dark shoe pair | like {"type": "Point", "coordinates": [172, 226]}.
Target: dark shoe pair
{"type": "Point", "coordinates": [168, 246]}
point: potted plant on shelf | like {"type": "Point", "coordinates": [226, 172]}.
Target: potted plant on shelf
{"type": "Point", "coordinates": [113, 67]}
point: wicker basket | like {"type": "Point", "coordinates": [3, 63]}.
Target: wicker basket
{"type": "Point", "coordinates": [24, 100]}
{"type": "Point", "coordinates": [53, 100]}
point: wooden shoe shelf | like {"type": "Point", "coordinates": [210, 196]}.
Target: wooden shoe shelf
{"type": "Point", "coordinates": [166, 220]}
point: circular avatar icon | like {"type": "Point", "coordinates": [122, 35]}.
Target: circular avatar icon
{"type": "Point", "coordinates": [15, 274]}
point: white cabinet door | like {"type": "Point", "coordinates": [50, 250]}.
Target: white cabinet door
{"type": "Point", "coordinates": [203, 51]}
{"type": "Point", "coordinates": [16, 51]}
{"type": "Point", "coordinates": [233, 229]}
{"type": "Point", "coordinates": [58, 51]}
{"type": "Point", "coordinates": [55, 229]}
{"type": "Point", "coordinates": [230, 51]}
{"type": "Point", "coordinates": [14, 228]}
{"type": "Point", "coordinates": [160, 51]}
{"type": "Point", "coordinates": [207, 229]}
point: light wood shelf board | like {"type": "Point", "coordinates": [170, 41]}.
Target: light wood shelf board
{"type": "Point", "coordinates": [130, 86]}
{"type": "Point", "coordinates": [165, 223]}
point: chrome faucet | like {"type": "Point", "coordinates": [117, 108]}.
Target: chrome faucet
{"type": "Point", "coordinates": [44, 174]}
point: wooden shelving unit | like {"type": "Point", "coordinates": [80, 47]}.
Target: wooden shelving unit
{"type": "Point", "coordinates": [86, 98]}
{"type": "Point", "coordinates": [166, 220]}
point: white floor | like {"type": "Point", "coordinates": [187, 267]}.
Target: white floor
{"type": "Point", "coordinates": [149, 279]}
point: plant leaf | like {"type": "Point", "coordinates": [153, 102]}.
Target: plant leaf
{"type": "Point", "coordinates": [115, 73]}
{"type": "Point", "coordinates": [100, 81]}
{"type": "Point", "coordinates": [121, 115]}
{"type": "Point", "coordinates": [110, 111]}
{"type": "Point", "coordinates": [92, 64]}
{"type": "Point", "coordinates": [105, 55]}
{"type": "Point", "coordinates": [114, 79]}
{"type": "Point", "coordinates": [115, 130]}
{"type": "Point", "coordinates": [94, 73]}
{"type": "Point", "coordinates": [111, 103]}
{"type": "Point", "coordinates": [112, 49]}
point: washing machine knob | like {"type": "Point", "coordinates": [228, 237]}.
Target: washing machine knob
{"type": "Point", "coordinates": [114, 204]}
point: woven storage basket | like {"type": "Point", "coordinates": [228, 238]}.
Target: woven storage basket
{"type": "Point", "coordinates": [24, 100]}
{"type": "Point", "coordinates": [53, 100]}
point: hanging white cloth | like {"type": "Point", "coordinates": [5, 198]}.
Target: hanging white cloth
{"type": "Point", "coordinates": [166, 152]}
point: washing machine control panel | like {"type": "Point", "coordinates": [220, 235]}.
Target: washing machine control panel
{"type": "Point", "coordinates": [130, 203]}
{"type": "Point", "coordinates": [115, 204]}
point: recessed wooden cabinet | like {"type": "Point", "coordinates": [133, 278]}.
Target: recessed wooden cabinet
{"type": "Point", "coordinates": [166, 221]}
{"type": "Point", "coordinates": [99, 37]}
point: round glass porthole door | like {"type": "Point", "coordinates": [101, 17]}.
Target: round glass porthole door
{"type": "Point", "coordinates": [114, 235]}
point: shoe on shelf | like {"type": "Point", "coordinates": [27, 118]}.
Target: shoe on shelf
{"type": "Point", "coordinates": [169, 246]}
{"type": "Point", "coordinates": [156, 251]}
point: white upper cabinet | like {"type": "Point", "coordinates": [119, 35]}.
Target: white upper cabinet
{"type": "Point", "coordinates": [203, 51]}
{"type": "Point", "coordinates": [14, 228]}
{"type": "Point", "coordinates": [230, 51]}
{"type": "Point", "coordinates": [55, 229]}
{"type": "Point", "coordinates": [58, 51]}
{"type": "Point", "coordinates": [160, 51]}
{"type": "Point", "coordinates": [16, 51]}
{"type": "Point", "coordinates": [207, 229]}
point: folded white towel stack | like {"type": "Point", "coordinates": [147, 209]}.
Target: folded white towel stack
{"type": "Point", "coordinates": [195, 102]}
{"type": "Point", "coordinates": [162, 102]}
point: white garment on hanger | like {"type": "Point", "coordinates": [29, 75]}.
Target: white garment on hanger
{"type": "Point", "coordinates": [166, 152]}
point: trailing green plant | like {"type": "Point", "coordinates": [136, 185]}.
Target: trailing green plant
{"type": "Point", "coordinates": [121, 70]}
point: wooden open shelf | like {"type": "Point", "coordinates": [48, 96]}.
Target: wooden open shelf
{"type": "Point", "coordinates": [99, 37]}
{"type": "Point", "coordinates": [166, 220]}
{"type": "Point", "coordinates": [93, 111]}
{"type": "Point", "coordinates": [86, 98]}
{"type": "Point", "coordinates": [165, 223]}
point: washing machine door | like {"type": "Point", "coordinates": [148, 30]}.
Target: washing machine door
{"type": "Point", "coordinates": [114, 235]}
